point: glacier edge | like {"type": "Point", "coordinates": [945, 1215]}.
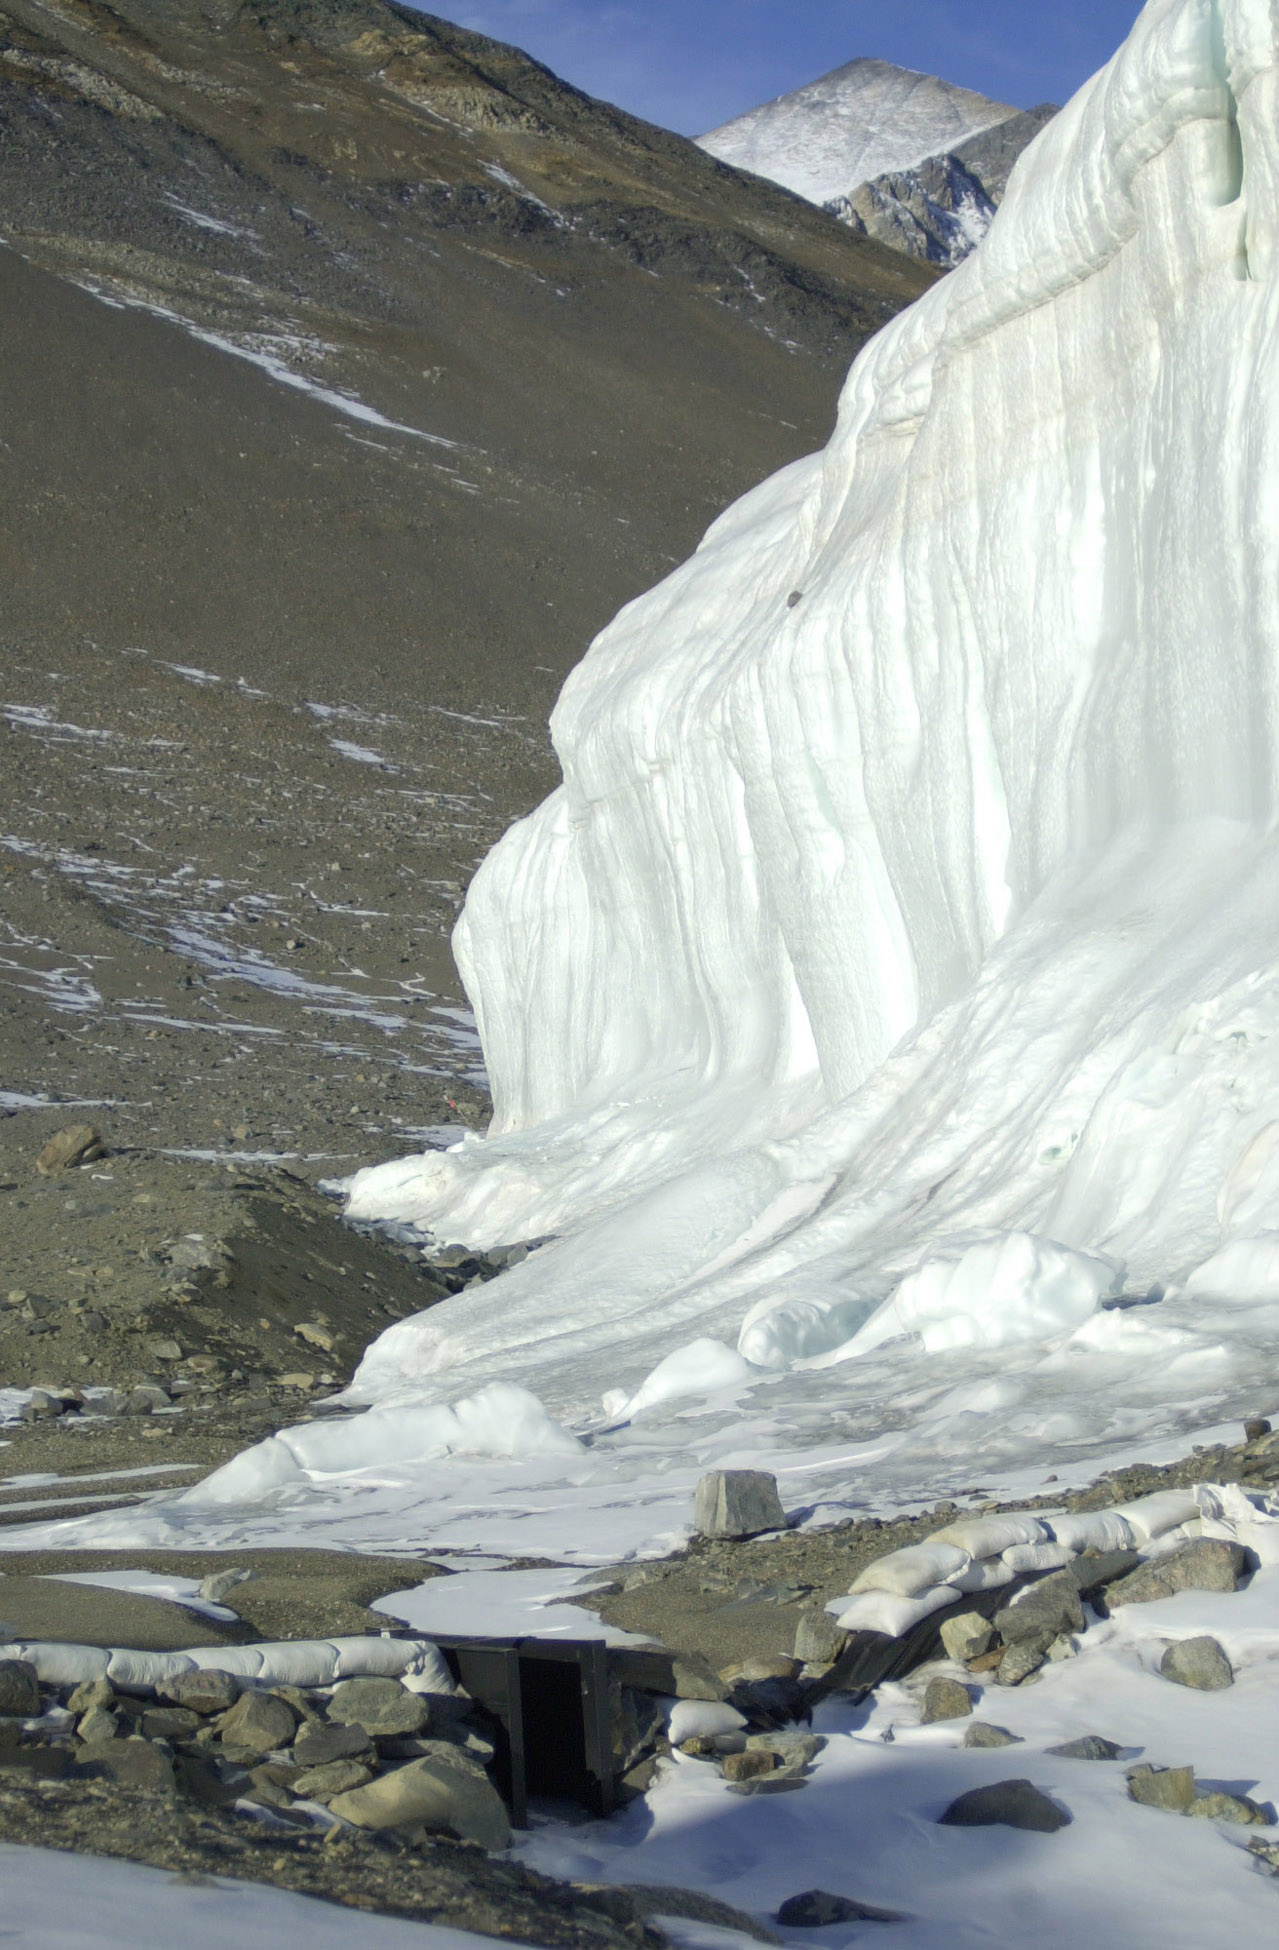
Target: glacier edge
{"type": "Point", "coordinates": [914, 872]}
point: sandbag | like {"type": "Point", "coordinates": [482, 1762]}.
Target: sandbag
{"type": "Point", "coordinates": [909, 1571]}
{"type": "Point", "coordinates": [888, 1612]}
{"type": "Point", "coordinates": [1037, 1557]}
{"type": "Point", "coordinates": [991, 1536]}
{"type": "Point", "coordinates": [983, 1574]}
{"type": "Point", "coordinates": [1151, 1516]}
{"type": "Point", "coordinates": [1092, 1530]}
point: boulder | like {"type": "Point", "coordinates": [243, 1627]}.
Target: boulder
{"type": "Point", "coordinates": [749, 1765]}
{"type": "Point", "coordinates": [1089, 1746]}
{"type": "Point", "coordinates": [168, 1723]}
{"type": "Point", "coordinates": [1007, 1804]}
{"type": "Point", "coordinates": [945, 1699]}
{"type": "Point", "coordinates": [737, 1503]}
{"type": "Point", "coordinates": [967, 1636]}
{"type": "Point", "coordinates": [1172, 1788]}
{"type": "Point", "coordinates": [427, 1794]}
{"type": "Point", "coordinates": [77, 1144]}
{"type": "Point", "coordinates": [258, 1723]}
{"type": "Point", "coordinates": [96, 1725]}
{"type": "Point", "coordinates": [337, 1777]}
{"type": "Point", "coordinates": [207, 1692]}
{"type": "Point", "coordinates": [380, 1706]}
{"type": "Point", "coordinates": [1205, 1564]}
{"type": "Point", "coordinates": [1239, 1808]}
{"type": "Point", "coordinates": [1044, 1609]}
{"type": "Point", "coordinates": [317, 1745]}
{"type": "Point", "coordinates": [818, 1639]}
{"type": "Point", "coordinates": [817, 1908]}
{"type": "Point", "coordinates": [1198, 1662]}
{"type": "Point", "coordinates": [1020, 1661]}
{"type": "Point", "coordinates": [982, 1734]}
{"type": "Point", "coordinates": [19, 1690]}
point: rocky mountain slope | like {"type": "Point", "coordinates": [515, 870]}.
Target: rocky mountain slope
{"type": "Point", "coordinates": [903, 157]}
{"type": "Point", "coordinates": [943, 207]}
{"type": "Point", "coordinates": [355, 371]}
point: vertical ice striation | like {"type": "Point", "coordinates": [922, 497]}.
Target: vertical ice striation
{"type": "Point", "coordinates": [913, 874]}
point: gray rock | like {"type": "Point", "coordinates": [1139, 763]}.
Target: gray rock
{"type": "Point", "coordinates": [749, 1764]}
{"type": "Point", "coordinates": [97, 1725]}
{"type": "Point", "coordinates": [1007, 1804]}
{"type": "Point", "coordinates": [169, 1723]}
{"type": "Point", "coordinates": [90, 1693]}
{"type": "Point", "coordinates": [1096, 1570]}
{"type": "Point", "coordinates": [207, 1692]}
{"type": "Point", "coordinates": [1238, 1808]}
{"type": "Point", "coordinates": [945, 1699]}
{"type": "Point", "coordinates": [215, 1587]}
{"type": "Point", "coordinates": [737, 1503]}
{"type": "Point", "coordinates": [381, 1706]}
{"type": "Point", "coordinates": [146, 1399]}
{"type": "Point", "coordinates": [445, 1751]}
{"type": "Point", "coordinates": [317, 1745]}
{"type": "Point", "coordinates": [1020, 1661]}
{"type": "Point", "coordinates": [1255, 1428]}
{"type": "Point", "coordinates": [258, 1723]}
{"type": "Point", "coordinates": [41, 1406]}
{"type": "Point", "coordinates": [78, 1144]}
{"type": "Point", "coordinates": [982, 1734]}
{"type": "Point", "coordinates": [790, 1748]}
{"type": "Point", "coordinates": [1206, 1564]}
{"type": "Point", "coordinates": [818, 1639]}
{"type": "Point", "coordinates": [1172, 1788]}
{"type": "Point", "coordinates": [19, 1690]}
{"type": "Point", "coordinates": [427, 1794]}
{"type": "Point", "coordinates": [818, 1907]}
{"type": "Point", "coordinates": [1089, 1746]}
{"type": "Point", "coordinates": [1198, 1662]}
{"type": "Point", "coordinates": [1044, 1609]}
{"type": "Point", "coordinates": [967, 1636]}
{"type": "Point", "coordinates": [131, 1763]}
{"type": "Point", "coordinates": [335, 1777]}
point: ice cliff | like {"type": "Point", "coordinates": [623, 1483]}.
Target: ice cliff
{"type": "Point", "coordinates": [900, 955]}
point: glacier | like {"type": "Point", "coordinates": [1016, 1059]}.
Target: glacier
{"type": "Point", "coordinates": [883, 1016]}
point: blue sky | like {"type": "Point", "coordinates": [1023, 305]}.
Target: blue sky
{"type": "Point", "coordinates": [691, 64]}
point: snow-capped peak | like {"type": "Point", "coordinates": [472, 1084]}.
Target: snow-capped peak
{"type": "Point", "coordinates": [860, 121]}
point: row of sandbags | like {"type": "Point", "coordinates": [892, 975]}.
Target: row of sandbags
{"type": "Point", "coordinates": [977, 1553]}
{"type": "Point", "coordinates": [416, 1663]}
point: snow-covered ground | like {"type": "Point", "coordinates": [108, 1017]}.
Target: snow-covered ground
{"type": "Point", "coordinates": [858, 122]}
{"type": "Point", "coordinates": [865, 1824]}
{"type": "Point", "coordinates": [56, 1901]}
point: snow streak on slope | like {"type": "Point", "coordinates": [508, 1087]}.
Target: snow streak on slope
{"type": "Point", "coordinates": [896, 968]}
{"type": "Point", "coordinates": [860, 121]}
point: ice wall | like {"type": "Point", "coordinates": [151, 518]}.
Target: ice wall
{"type": "Point", "coordinates": [913, 875]}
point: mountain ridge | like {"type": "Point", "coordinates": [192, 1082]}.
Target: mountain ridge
{"type": "Point", "coordinates": [865, 119]}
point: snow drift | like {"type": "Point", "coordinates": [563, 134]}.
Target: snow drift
{"type": "Point", "coordinates": [914, 876]}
